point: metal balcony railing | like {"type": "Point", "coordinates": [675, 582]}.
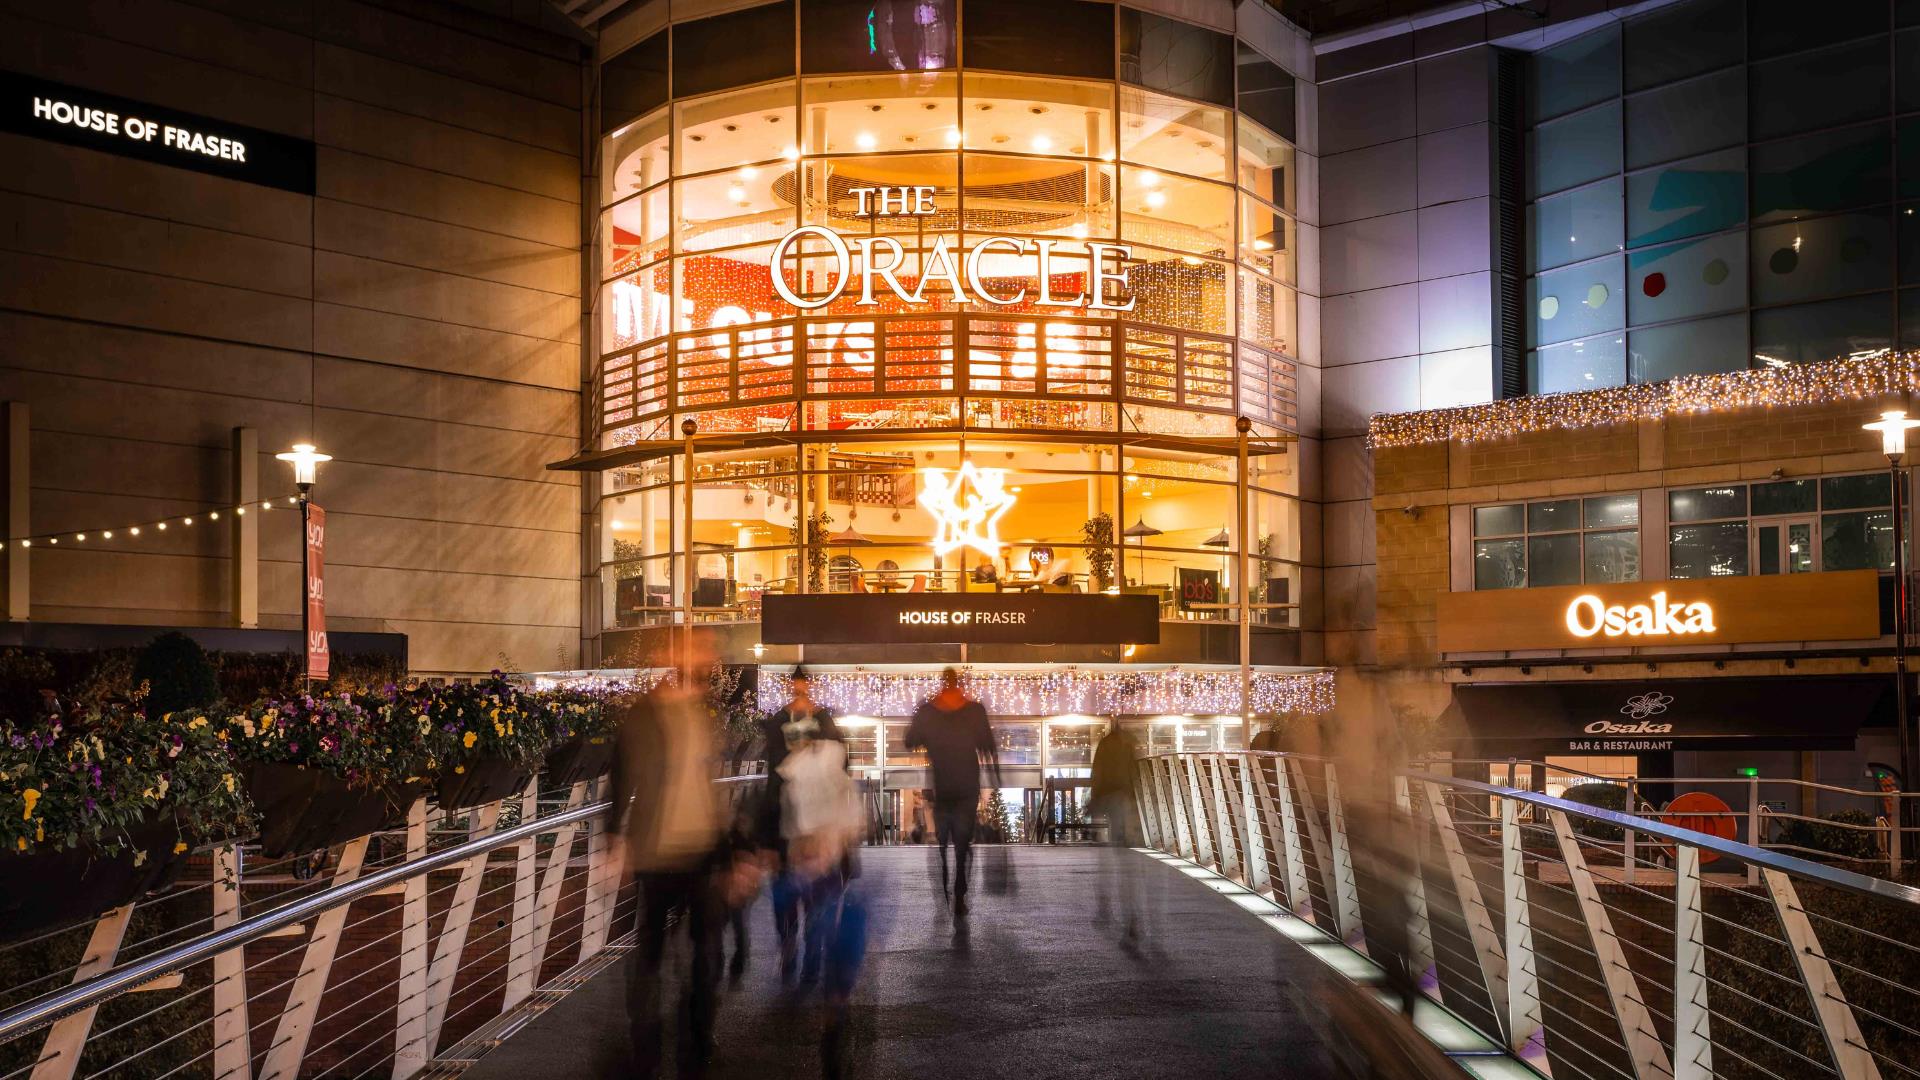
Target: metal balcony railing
{"type": "Point", "coordinates": [1515, 911]}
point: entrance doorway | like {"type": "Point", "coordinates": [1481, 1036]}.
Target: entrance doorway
{"type": "Point", "coordinates": [1783, 545]}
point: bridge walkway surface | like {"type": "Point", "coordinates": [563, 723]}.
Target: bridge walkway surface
{"type": "Point", "coordinates": [1029, 984]}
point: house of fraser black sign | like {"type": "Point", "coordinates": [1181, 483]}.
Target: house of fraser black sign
{"type": "Point", "coordinates": [948, 618]}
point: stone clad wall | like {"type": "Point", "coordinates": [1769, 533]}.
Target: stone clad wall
{"type": "Point", "coordinates": [146, 311]}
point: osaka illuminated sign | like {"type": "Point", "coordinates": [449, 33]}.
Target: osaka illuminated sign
{"type": "Point", "coordinates": [1588, 616]}
{"type": "Point", "coordinates": [880, 259]}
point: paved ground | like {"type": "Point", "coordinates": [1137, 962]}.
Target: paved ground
{"type": "Point", "coordinates": [1031, 986]}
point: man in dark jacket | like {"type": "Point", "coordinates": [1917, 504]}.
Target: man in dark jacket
{"type": "Point", "coordinates": [953, 729]}
{"type": "Point", "coordinates": [782, 731]}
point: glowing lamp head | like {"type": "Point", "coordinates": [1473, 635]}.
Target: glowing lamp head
{"type": "Point", "coordinates": [305, 461]}
{"type": "Point", "coordinates": [1892, 426]}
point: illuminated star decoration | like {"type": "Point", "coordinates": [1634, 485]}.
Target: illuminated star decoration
{"type": "Point", "coordinates": [966, 519]}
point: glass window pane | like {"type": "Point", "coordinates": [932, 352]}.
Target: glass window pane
{"type": "Point", "coordinates": [1811, 333]}
{"type": "Point", "coordinates": [1605, 511]}
{"type": "Point", "coordinates": [1834, 170]}
{"type": "Point", "coordinates": [1684, 39]}
{"type": "Point", "coordinates": [1579, 365]}
{"type": "Point", "coordinates": [1506, 520]}
{"type": "Point", "coordinates": [1266, 92]}
{"type": "Point", "coordinates": [1555, 516]}
{"type": "Point", "coordinates": [1575, 150]}
{"type": "Point", "coordinates": [1553, 560]}
{"type": "Point", "coordinates": [636, 158]}
{"type": "Point", "coordinates": [1805, 260]}
{"type": "Point", "coordinates": [878, 35]}
{"type": "Point", "coordinates": [1783, 497]}
{"type": "Point", "coordinates": [1000, 114]}
{"type": "Point", "coordinates": [1269, 314]}
{"type": "Point", "coordinates": [1784, 26]}
{"type": "Point", "coordinates": [1194, 293]}
{"type": "Point", "coordinates": [1265, 165]}
{"type": "Point", "coordinates": [1705, 504]}
{"type": "Point", "coordinates": [634, 233]}
{"type": "Point", "coordinates": [1178, 57]}
{"type": "Point", "coordinates": [1577, 225]}
{"type": "Point", "coordinates": [1268, 242]}
{"type": "Point", "coordinates": [1579, 301]}
{"type": "Point", "coordinates": [1906, 71]}
{"type": "Point", "coordinates": [1168, 133]}
{"type": "Point", "coordinates": [1575, 74]}
{"type": "Point", "coordinates": [867, 113]}
{"type": "Point", "coordinates": [1686, 278]}
{"type": "Point", "coordinates": [1908, 218]}
{"type": "Point", "coordinates": [1909, 318]}
{"type": "Point", "coordinates": [734, 129]}
{"type": "Point", "coordinates": [1613, 556]}
{"type": "Point", "coordinates": [1065, 37]}
{"type": "Point", "coordinates": [734, 49]}
{"type": "Point", "coordinates": [1907, 143]}
{"type": "Point", "coordinates": [1697, 551]}
{"type": "Point", "coordinates": [1854, 492]}
{"type": "Point", "coordinates": [1688, 348]}
{"type": "Point", "coordinates": [1688, 198]}
{"type": "Point", "coordinates": [1176, 212]}
{"type": "Point", "coordinates": [1686, 119]}
{"type": "Point", "coordinates": [1824, 88]}
{"type": "Point", "coordinates": [1858, 541]}
{"type": "Point", "coordinates": [633, 83]}
{"type": "Point", "coordinates": [1019, 743]}
{"type": "Point", "coordinates": [1499, 564]}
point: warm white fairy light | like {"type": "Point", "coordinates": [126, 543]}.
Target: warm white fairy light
{"type": "Point", "coordinates": [1068, 691]}
{"type": "Point", "coordinates": [129, 532]}
{"type": "Point", "coordinates": [1858, 378]}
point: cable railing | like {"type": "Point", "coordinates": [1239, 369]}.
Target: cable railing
{"type": "Point", "coordinates": [1529, 919]}
{"type": "Point", "coordinates": [415, 951]}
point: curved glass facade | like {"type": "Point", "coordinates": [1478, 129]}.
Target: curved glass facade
{"type": "Point", "coordinates": [1046, 132]}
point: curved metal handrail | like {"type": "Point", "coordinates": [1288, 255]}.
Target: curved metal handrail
{"type": "Point", "coordinates": [50, 1007]}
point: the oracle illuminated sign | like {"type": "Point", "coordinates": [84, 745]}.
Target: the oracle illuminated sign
{"type": "Point", "coordinates": [1588, 616]}
{"type": "Point", "coordinates": [881, 258]}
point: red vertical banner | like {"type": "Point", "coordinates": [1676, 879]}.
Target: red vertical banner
{"type": "Point", "coordinates": [316, 611]}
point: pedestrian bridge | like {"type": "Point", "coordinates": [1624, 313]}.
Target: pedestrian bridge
{"type": "Point", "coordinates": [1289, 927]}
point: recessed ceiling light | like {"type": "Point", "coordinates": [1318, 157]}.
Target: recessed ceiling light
{"type": "Point", "coordinates": [866, 141]}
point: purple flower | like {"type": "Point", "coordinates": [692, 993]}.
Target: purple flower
{"type": "Point", "coordinates": [91, 804]}
{"type": "Point", "coordinates": [94, 772]}
{"type": "Point", "coordinates": [293, 748]}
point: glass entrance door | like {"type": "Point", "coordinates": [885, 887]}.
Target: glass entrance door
{"type": "Point", "coordinates": [1783, 545]}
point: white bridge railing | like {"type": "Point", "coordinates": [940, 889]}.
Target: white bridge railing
{"type": "Point", "coordinates": [1685, 956]}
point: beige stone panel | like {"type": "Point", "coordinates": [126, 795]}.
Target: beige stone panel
{"type": "Point", "coordinates": [371, 592]}
{"type": "Point", "coordinates": [124, 354]}
{"type": "Point", "coordinates": [380, 132]}
{"type": "Point", "coordinates": [454, 200]}
{"type": "Point", "coordinates": [148, 413]}
{"type": "Point", "coordinates": [152, 76]}
{"type": "Point", "coordinates": [106, 580]}
{"type": "Point", "coordinates": [192, 32]}
{"type": "Point", "coordinates": [71, 174]}
{"type": "Point", "coordinates": [436, 47]}
{"type": "Point", "coordinates": [396, 391]}
{"type": "Point", "coordinates": [366, 77]}
{"type": "Point", "coordinates": [383, 491]}
{"type": "Point", "coordinates": [409, 544]}
{"type": "Point", "coordinates": [453, 448]}
{"type": "Point", "coordinates": [401, 290]}
{"type": "Point", "coordinates": [453, 249]}
{"type": "Point", "coordinates": [60, 508]}
{"type": "Point", "coordinates": [103, 294]}
{"type": "Point", "coordinates": [68, 230]}
{"type": "Point", "coordinates": [454, 649]}
{"type": "Point", "coordinates": [416, 343]}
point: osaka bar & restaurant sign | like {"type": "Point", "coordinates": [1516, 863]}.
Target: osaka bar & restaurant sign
{"type": "Point", "coordinates": [1840, 606]}
{"type": "Point", "coordinates": [956, 618]}
{"type": "Point", "coordinates": [116, 125]}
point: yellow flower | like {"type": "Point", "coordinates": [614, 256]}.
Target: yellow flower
{"type": "Point", "coordinates": [179, 847]}
{"type": "Point", "coordinates": [39, 830]}
{"type": "Point", "coordinates": [139, 858]}
{"type": "Point", "coordinates": [468, 741]}
{"type": "Point", "coordinates": [459, 768]}
{"type": "Point", "coordinates": [228, 780]}
{"type": "Point", "coordinates": [21, 843]}
{"type": "Point", "coordinates": [198, 721]}
{"type": "Point", "coordinates": [31, 795]}
{"type": "Point", "coordinates": [509, 727]}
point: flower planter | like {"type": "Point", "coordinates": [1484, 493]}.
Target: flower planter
{"type": "Point", "coordinates": [484, 780]}
{"type": "Point", "coordinates": [305, 809]}
{"type": "Point", "coordinates": [583, 757]}
{"type": "Point", "coordinates": [47, 890]}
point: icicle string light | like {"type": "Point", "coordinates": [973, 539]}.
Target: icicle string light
{"type": "Point", "coordinates": [1859, 378]}
{"type": "Point", "coordinates": [1067, 691]}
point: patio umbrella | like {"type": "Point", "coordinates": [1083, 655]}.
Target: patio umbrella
{"type": "Point", "coordinates": [1219, 540]}
{"type": "Point", "coordinates": [1142, 530]}
{"type": "Point", "coordinates": [847, 538]}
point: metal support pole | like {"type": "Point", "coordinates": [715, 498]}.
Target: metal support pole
{"type": "Point", "coordinates": [1244, 582]}
{"type": "Point", "coordinates": [232, 1046]}
{"type": "Point", "coordinates": [1638, 1035]}
{"type": "Point", "coordinates": [1851, 1057]}
{"type": "Point", "coordinates": [1523, 976]}
{"type": "Point", "coordinates": [687, 428]}
{"type": "Point", "coordinates": [1692, 1041]}
{"type": "Point", "coordinates": [67, 1039]}
{"type": "Point", "coordinates": [1902, 616]}
{"type": "Point", "coordinates": [291, 1035]}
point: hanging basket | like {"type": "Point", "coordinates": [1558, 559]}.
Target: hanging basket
{"type": "Point", "coordinates": [305, 809]}
{"type": "Point", "coordinates": [46, 890]}
{"type": "Point", "coordinates": [583, 757]}
{"type": "Point", "coordinates": [485, 780]}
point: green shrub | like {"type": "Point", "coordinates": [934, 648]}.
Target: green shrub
{"type": "Point", "coordinates": [1601, 796]}
{"type": "Point", "coordinates": [177, 673]}
{"type": "Point", "coordinates": [1837, 839]}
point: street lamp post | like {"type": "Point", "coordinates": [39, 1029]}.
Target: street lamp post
{"type": "Point", "coordinates": [1892, 426]}
{"type": "Point", "coordinates": [305, 461]}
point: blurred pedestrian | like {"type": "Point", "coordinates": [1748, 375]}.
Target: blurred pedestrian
{"type": "Point", "coordinates": [665, 811]}
{"type": "Point", "coordinates": [799, 722]}
{"type": "Point", "coordinates": [954, 731]}
{"type": "Point", "coordinates": [821, 822]}
{"type": "Point", "coordinates": [1115, 771]}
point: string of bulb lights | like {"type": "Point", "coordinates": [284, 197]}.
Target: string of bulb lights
{"type": "Point", "coordinates": [143, 528]}
{"type": "Point", "coordinates": [1861, 378]}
